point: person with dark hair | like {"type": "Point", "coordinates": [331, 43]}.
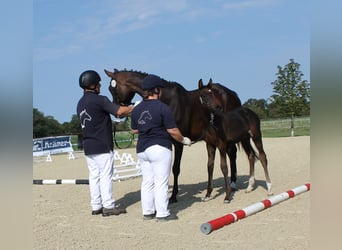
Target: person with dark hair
{"type": "Point", "coordinates": [154, 123]}
{"type": "Point", "coordinates": [93, 111]}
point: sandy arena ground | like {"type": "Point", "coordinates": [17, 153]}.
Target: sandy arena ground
{"type": "Point", "coordinates": [62, 219]}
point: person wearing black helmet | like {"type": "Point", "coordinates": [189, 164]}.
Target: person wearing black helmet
{"type": "Point", "coordinates": [93, 111]}
{"type": "Point", "coordinates": [153, 121]}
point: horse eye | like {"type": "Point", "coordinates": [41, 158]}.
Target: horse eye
{"type": "Point", "coordinates": [113, 83]}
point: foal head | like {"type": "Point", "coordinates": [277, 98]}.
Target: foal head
{"type": "Point", "coordinates": [211, 97]}
{"type": "Point", "coordinates": [124, 84]}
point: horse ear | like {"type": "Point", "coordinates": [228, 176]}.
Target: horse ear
{"type": "Point", "coordinates": [200, 84]}
{"type": "Point", "coordinates": [210, 83]}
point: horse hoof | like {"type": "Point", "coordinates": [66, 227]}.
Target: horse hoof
{"type": "Point", "coordinates": [226, 201]}
{"type": "Point", "coordinates": [206, 198]}
{"type": "Point", "coordinates": [269, 193]}
{"type": "Point", "coordinates": [172, 200]}
{"type": "Point", "coordinates": [233, 186]}
{"type": "Point", "coordinates": [248, 190]}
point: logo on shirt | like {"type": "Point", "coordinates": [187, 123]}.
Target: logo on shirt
{"type": "Point", "coordinates": [145, 115]}
{"type": "Point", "coordinates": [84, 116]}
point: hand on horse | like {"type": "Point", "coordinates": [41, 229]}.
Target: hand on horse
{"type": "Point", "coordinates": [186, 141]}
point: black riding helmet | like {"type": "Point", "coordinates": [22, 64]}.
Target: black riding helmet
{"type": "Point", "coordinates": [151, 82]}
{"type": "Point", "coordinates": [89, 77]}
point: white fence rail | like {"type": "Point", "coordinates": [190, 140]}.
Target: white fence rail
{"type": "Point", "coordinates": [299, 122]}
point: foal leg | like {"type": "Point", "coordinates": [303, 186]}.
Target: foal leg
{"type": "Point", "coordinates": [231, 151]}
{"type": "Point", "coordinates": [224, 169]}
{"type": "Point", "coordinates": [251, 181]}
{"type": "Point", "coordinates": [211, 149]}
{"type": "Point", "coordinates": [256, 135]}
{"type": "Point", "coordinates": [263, 160]}
{"type": "Point", "coordinates": [251, 158]}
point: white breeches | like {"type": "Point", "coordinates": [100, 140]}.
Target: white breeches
{"type": "Point", "coordinates": [155, 163]}
{"type": "Point", "coordinates": [100, 180]}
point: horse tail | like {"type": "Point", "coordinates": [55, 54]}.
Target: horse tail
{"type": "Point", "coordinates": [252, 149]}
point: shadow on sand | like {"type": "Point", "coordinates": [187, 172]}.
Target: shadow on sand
{"type": "Point", "coordinates": [191, 193]}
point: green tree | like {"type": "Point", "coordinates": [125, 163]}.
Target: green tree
{"type": "Point", "coordinates": [259, 106]}
{"type": "Point", "coordinates": [291, 94]}
{"type": "Point", "coordinates": [44, 126]}
{"type": "Point", "coordinates": [40, 128]}
{"type": "Point", "coordinates": [72, 127]}
{"type": "Point", "coordinates": [54, 127]}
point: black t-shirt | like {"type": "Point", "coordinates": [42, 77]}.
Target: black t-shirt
{"type": "Point", "coordinates": [151, 118]}
{"type": "Point", "coordinates": [94, 111]}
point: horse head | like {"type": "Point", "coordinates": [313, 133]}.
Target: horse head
{"type": "Point", "coordinates": [226, 99]}
{"type": "Point", "coordinates": [210, 97]}
{"type": "Point", "coordinates": [124, 84]}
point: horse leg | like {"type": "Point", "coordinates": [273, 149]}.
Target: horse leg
{"type": "Point", "coordinates": [224, 169]}
{"type": "Point", "coordinates": [176, 170]}
{"type": "Point", "coordinates": [251, 181]}
{"type": "Point", "coordinates": [251, 158]}
{"type": "Point", "coordinates": [211, 149]}
{"type": "Point", "coordinates": [255, 133]}
{"type": "Point", "coordinates": [231, 151]}
{"type": "Point", "coordinates": [263, 160]}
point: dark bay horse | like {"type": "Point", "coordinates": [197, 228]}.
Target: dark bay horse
{"type": "Point", "coordinates": [190, 119]}
{"type": "Point", "coordinates": [237, 126]}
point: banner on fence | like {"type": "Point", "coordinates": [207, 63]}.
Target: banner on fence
{"type": "Point", "coordinates": [52, 145]}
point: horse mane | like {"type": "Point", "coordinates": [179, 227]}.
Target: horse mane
{"type": "Point", "coordinates": [130, 71]}
{"type": "Point", "coordinates": [145, 73]}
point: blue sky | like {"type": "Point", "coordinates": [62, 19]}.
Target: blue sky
{"type": "Point", "coordinates": [236, 43]}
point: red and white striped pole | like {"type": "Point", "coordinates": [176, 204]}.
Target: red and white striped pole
{"type": "Point", "coordinates": [212, 225]}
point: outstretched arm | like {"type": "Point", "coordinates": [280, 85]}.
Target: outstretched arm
{"type": "Point", "coordinates": [177, 135]}
{"type": "Point", "coordinates": [124, 110]}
